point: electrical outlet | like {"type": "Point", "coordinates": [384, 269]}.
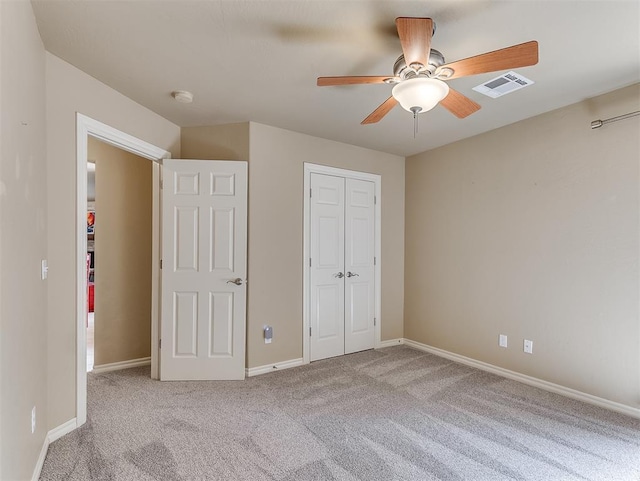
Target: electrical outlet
{"type": "Point", "coordinates": [268, 334]}
{"type": "Point", "coordinates": [33, 420]}
{"type": "Point", "coordinates": [503, 340]}
{"type": "Point", "coordinates": [528, 346]}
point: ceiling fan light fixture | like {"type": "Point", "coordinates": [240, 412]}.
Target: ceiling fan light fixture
{"type": "Point", "coordinates": [420, 94]}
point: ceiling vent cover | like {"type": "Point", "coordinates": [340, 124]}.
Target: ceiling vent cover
{"type": "Point", "coordinates": [503, 85]}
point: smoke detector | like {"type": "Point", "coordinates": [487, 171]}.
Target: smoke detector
{"type": "Point", "coordinates": [182, 96]}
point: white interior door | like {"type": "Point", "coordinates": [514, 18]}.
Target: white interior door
{"type": "Point", "coordinates": [342, 278]}
{"type": "Point", "coordinates": [359, 266]}
{"type": "Point", "coordinates": [327, 266]}
{"type": "Point", "coordinates": [204, 245]}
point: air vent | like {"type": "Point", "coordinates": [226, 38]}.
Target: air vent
{"type": "Point", "coordinates": [504, 84]}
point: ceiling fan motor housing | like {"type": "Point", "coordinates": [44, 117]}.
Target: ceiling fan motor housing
{"type": "Point", "coordinates": [402, 70]}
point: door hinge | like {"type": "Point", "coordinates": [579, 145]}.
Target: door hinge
{"type": "Point", "coordinates": [309, 261]}
{"type": "Point", "coordinates": [309, 332]}
{"type": "Point", "coordinates": [375, 260]}
{"type": "Point", "coordinates": [160, 263]}
{"type": "Point", "coordinates": [159, 343]}
{"type": "Point", "coordinates": [310, 193]}
{"type": "Point", "coordinates": [374, 321]}
{"type": "Point", "coordinates": [375, 200]}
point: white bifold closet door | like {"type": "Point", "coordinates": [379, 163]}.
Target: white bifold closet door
{"type": "Point", "coordinates": [342, 266]}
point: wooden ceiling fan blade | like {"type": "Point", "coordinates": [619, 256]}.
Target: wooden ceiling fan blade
{"type": "Point", "coordinates": [458, 104]}
{"type": "Point", "coordinates": [329, 81]}
{"type": "Point", "coordinates": [415, 37]}
{"type": "Point", "coordinates": [380, 112]}
{"type": "Point", "coordinates": [521, 55]}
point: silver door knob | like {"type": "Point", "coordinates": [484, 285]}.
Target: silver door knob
{"type": "Point", "coordinates": [339, 275]}
{"type": "Point", "coordinates": [352, 274]}
{"type": "Point", "coordinates": [237, 281]}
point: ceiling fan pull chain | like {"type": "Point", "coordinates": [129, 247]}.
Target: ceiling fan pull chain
{"type": "Point", "coordinates": [415, 111]}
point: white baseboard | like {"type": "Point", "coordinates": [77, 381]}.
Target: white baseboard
{"type": "Point", "coordinates": [531, 381]}
{"type": "Point", "coordinates": [116, 366]}
{"type": "Point", "coordinates": [279, 366]}
{"type": "Point", "coordinates": [55, 433]}
{"type": "Point", "coordinates": [256, 371]}
{"type": "Point", "coordinates": [389, 343]}
{"type": "Point", "coordinates": [40, 462]}
{"type": "Point", "coordinates": [66, 428]}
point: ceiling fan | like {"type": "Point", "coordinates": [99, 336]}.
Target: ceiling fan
{"type": "Point", "coordinates": [419, 73]}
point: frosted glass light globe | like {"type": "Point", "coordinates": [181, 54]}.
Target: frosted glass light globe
{"type": "Point", "coordinates": [420, 94]}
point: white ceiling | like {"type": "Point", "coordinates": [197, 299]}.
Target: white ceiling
{"type": "Point", "coordinates": [258, 60]}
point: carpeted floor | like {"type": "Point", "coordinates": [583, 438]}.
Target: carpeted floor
{"type": "Point", "coordinates": [391, 414]}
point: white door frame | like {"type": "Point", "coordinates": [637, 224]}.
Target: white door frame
{"type": "Point", "coordinates": [86, 127]}
{"type": "Point", "coordinates": [306, 249]}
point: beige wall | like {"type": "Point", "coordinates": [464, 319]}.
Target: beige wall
{"type": "Point", "coordinates": [276, 159]}
{"type": "Point", "coordinates": [23, 241]}
{"type": "Point", "coordinates": [122, 254]}
{"type": "Point", "coordinates": [219, 142]}
{"type": "Point", "coordinates": [69, 91]}
{"type": "Point", "coordinates": [276, 162]}
{"type": "Point", "coordinates": [532, 231]}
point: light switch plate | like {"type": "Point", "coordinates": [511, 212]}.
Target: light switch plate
{"type": "Point", "coordinates": [528, 346]}
{"type": "Point", "coordinates": [503, 340]}
{"type": "Point", "coordinates": [44, 269]}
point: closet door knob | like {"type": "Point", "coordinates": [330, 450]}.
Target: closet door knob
{"type": "Point", "coordinates": [352, 274]}
{"type": "Point", "coordinates": [339, 275]}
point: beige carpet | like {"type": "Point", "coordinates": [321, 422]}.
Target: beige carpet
{"type": "Point", "coordinates": [391, 414]}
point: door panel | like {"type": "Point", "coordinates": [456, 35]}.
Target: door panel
{"type": "Point", "coordinates": [185, 323]}
{"type": "Point", "coordinates": [359, 248]}
{"type": "Point", "coordinates": [203, 247]}
{"type": "Point", "coordinates": [359, 265]}
{"type": "Point", "coordinates": [329, 313]}
{"type": "Point", "coordinates": [222, 240]}
{"type": "Point", "coordinates": [327, 263]}
{"type": "Point", "coordinates": [221, 324]}
{"type": "Point", "coordinates": [185, 253]}
{"type": "Point", "coordinates": [360, 307]}
{"type": "Point", "coordinates": [330, 250]}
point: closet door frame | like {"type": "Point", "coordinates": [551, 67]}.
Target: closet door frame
{"type": "Point", "coordinates": [310, 168]}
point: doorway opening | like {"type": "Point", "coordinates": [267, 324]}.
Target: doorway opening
{"type": "Point", "coordinates": [119, 239]}
{"type": "Point", "coordinates": [91, 224]}
{"type": "Point", "coordinates": [352, 278]}
{"type": "Point", "coordinates": [86, 128]}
